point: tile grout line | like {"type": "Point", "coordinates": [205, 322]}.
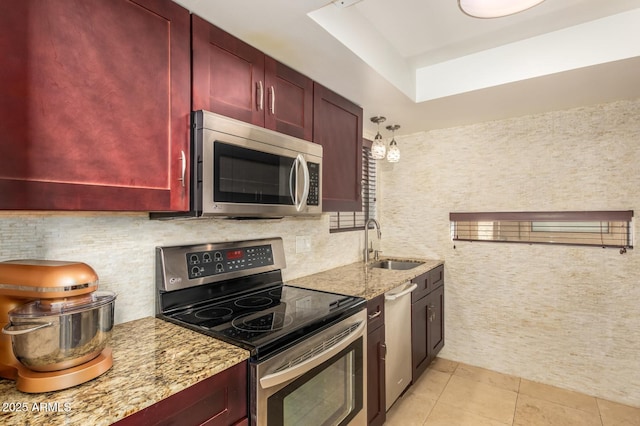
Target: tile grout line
{"type": "Point", "coordinates": [426, 419]}
{"type": "Point", "coordinates": [515, 407]}
{"type": "Point", "coordinates": [599, 412]}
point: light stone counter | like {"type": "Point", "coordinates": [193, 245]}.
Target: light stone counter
{"type": "Point", "coordinates": [152, 360]}
{"type": "Point", "coordinates": [357, 280]}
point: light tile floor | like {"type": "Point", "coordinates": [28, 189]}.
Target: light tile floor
{"type": "Point", "coordinates": [456, 394]}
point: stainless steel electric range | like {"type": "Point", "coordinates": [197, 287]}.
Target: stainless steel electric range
{"type": "Point", "coordinates": [308, 363]}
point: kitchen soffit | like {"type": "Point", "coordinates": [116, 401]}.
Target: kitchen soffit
{"type": "Point", "coordinates": [427, 64]}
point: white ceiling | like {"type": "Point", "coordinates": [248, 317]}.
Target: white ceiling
{"type": "Point", "coordinates": [424, 64]}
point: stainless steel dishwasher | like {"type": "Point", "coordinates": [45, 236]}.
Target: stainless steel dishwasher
{"type": "Point", "coordinates": [397, 329]}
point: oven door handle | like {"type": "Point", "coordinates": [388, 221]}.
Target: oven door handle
{"type": "Point", "coordinates": [291, 373]}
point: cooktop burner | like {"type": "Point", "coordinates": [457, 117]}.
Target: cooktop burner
{"type": "Point", "coordinates": [272, 321]}
{"type": "Point", "coordinates": [253, 302]}
{"type": "Point", "coordinates": [213, 313]}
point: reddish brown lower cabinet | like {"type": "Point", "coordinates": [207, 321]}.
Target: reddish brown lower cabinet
{"type": "Point", "coordinates": [427, 320]}
{"type": "Point", "coordinates": [337, 126]}
{"type": "Point", "coordinates": [220, 400]}
{"type": "Point", "coordinates": [376, 350]}
{"type": "Point", "coordinates": [95, 105]}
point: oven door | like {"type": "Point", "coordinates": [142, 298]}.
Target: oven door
{"type": "Point", "coordinates": [321, 381]}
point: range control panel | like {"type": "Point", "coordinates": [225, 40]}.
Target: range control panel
{"type": "Point", "coordinates": [213, 262]}
{"type": "Point", "coordinates": [180, 267]}
{"type": "Point", "coordinates": [314, 184]}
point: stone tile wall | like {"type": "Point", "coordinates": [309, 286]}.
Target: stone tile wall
{"type": "Point", "coordinates": [566, 316]}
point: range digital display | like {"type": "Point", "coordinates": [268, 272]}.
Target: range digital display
{"type": "Point", "coordinates": [235, 254]}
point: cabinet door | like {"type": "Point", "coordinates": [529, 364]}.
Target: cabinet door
{"type": "Point", "coordinates": [435, 327]}
{"type": "Point", "coordinates": [289, 100]}
{"type": "Point", "coordinates": [219, 400]}
{"type": "Point", "coordinates": [228, 74]}
{"type": "Point", "coordinates": [376, 399]}
{"type": "Point", "coordinates": [419, 337]}
{"type": "Point", "coordinates": [94, 106]}
{"type": "Point", "coordinates": [337, 126]}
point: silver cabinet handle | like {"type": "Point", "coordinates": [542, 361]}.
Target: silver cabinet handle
{"type": "Point", "coordinates": [272, 108]}
{"type": "Point", "coordinates": [183, 159]}
{"type": "Point", "coordinates": [376, 315]}
{"type": "Point", "coordinates": [260, 96]}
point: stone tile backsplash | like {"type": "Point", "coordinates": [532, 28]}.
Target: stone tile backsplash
{"type": "Point", "coordinates": [121, 246]}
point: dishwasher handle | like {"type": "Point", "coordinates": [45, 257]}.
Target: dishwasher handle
{"type": "Point", "coordinates": [395, 296]}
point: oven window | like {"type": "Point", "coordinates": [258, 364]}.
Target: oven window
{"type": "Point", "coordinates": [330, 394]}
{"type": "Point", "coordinates": [243, 175]}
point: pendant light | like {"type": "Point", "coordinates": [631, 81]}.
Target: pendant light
{"type": "Point", "coordinates": [495, 8]}
{"type": "Point", "coordinates": [393, 154]}
{"type": "Point", "coordinates": [378, 150]}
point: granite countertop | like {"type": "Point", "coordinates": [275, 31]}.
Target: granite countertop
{"type": "Point", "coordinates": [152, 360]}
{"type": "Point", "coordinates": [357, 279]}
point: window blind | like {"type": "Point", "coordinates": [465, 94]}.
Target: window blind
{"type": "Point", "coordinates": [348, 221]}
{"type": "Point", "coordinates": [586, 228]}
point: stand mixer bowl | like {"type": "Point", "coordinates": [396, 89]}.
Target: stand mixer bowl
{"type": "Point", "coordinates": [52, 336]}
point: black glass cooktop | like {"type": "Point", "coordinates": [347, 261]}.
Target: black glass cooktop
{"type": "Point", "coordinates": [270, 319]}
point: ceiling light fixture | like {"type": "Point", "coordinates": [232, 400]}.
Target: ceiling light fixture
{"type": "Point", "coordinates": [495, 8]}
{"type": "Point", "coordinates": [393, 154]}
{"type": "Point", "coordinates": [378, 150]}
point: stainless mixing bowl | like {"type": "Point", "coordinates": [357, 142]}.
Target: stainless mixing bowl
{"type": "Point", "coordinates": [51, 337]}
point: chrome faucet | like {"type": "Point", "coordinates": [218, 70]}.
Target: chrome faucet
{"type": "Point", "coordinates": [366, 239]}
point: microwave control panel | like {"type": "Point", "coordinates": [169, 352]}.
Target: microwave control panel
{"type": "Point", "coordinates": [314, 184]}
{"type": "Point", "coordinates": [208, 263]}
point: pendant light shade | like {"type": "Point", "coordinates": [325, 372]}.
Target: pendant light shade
{"type": "Point", "coordinates": [393, 154]}
{"type": "Point", "coordinates": [378, 149]}
{"type": "Point", "coordinates": [495, 8]}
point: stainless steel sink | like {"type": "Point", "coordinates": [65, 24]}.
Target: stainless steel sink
{"type": "Point", "coordinates": [396, 265]}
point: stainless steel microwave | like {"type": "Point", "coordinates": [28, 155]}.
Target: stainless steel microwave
{"type": "Point", "coordinates": [242, 170]}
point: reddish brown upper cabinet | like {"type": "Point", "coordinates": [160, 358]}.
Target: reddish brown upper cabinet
{"type": "Point", "coordinates": [234, 79]}
{"type": "Point", "coordinates": [94, 112]}
{"type": "Point", "coordinates": [337, 126]}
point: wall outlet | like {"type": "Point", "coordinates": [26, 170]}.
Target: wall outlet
{"type": "Point", "coordinates": [303, 244]}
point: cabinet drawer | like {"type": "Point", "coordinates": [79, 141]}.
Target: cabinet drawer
{"type": "Point", "coordinates": [427, 282]}
{"type": "Point", "coordinates": [423, 287]}
{"type": "Point", "coordinates": [375, 313]}
{"type": "Point", "coordinates": [436, 277]}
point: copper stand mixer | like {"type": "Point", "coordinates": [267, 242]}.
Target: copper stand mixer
{"type": "Point", "coordinates": [55, 324]}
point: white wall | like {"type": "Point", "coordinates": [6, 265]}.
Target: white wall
{"type": "Point", "coordinates": [567, 316]}
{"type": "Point", "coordinates": [121, 247]}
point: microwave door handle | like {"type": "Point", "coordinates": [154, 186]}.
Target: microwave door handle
{"type": "Point", "coordinates": [305, 192]}
{"type": "Point", "coordinates": [292, 184]}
